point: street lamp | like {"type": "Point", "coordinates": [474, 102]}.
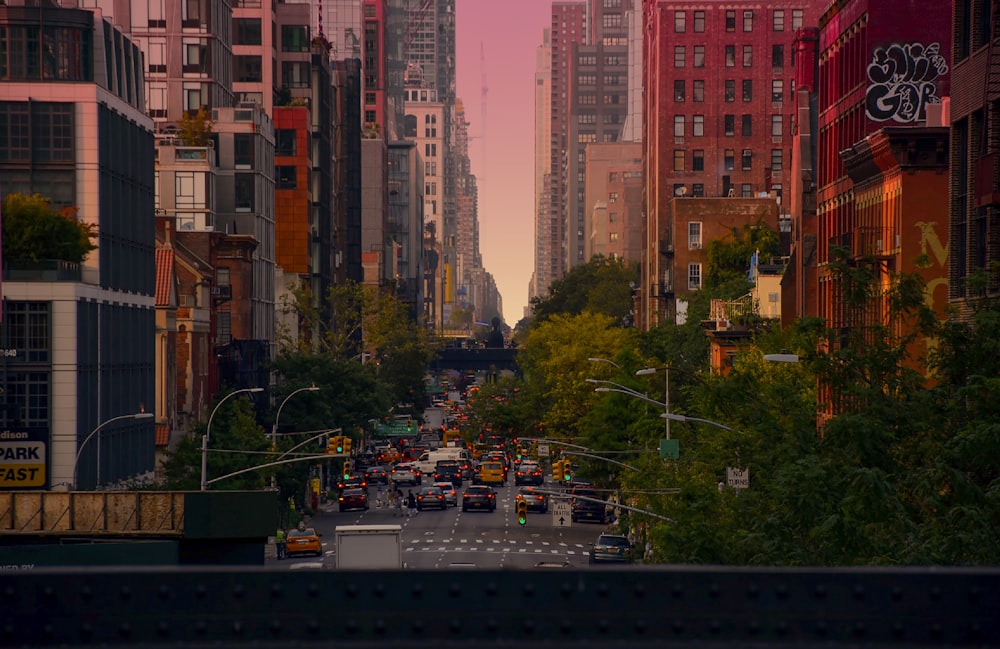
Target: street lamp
{"type": "Point", "coordinates": [676, 417]}
{"type": "Point", "coordinates": [208, 433]}
{"type": "Point", "coordinates": [274, 428]}
{"type": "Point", "coordinates": [666, 391]}
{"type": "Point", "coordinates": [783, 357]}
{"type": "Point", "coordinates": [604, 360]}
{"type": "Point", "coordinates": [137, 415]}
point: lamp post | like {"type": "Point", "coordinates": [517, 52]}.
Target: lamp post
{"type": "Point", "coordinates": [137, 415]}
{"type": "Point", "coordinates": [674, 416]}
{"type": "Point", "coordinates": [208, 433]}
{"type": "Point", "coordinates": [604, 360]}
{"type": "Point", "coordinates": [666, 391]}
{"type": "Point", "coordinates": [274, 428]}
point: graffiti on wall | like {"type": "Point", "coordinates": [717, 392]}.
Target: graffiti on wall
{"type": "Point", "coordinates": [901, 81]}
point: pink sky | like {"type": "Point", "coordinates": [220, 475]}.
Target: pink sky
{"type": "Point", "coordinates": [509, 31]}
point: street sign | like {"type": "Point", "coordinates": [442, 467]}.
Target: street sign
{"type": "Point", "coordinates": [562, 513]}
{"type": "Point", "coordinates": [669, 448]}
{"type": "Point", "coordinates": [543, 450]}
{"type": "Point", "coordinates": [737, 478]}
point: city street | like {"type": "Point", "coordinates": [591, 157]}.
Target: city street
{"type": "Point", "coordinates": [456, 539]}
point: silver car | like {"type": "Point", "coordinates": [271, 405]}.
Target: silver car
{"type": "Point", "coordinates": [450, 495]}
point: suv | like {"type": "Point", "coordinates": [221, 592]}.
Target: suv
{"type": "Point", "coordinates": [405, 474]}
{"type": "Point", "coordinates": [528, 473]}
{"type": "Point", "coordinates": [448, 471]}
{"type": "Point", "coordinates": [587, 510]}
{"type": "Point", "coordinates": [611, 548]}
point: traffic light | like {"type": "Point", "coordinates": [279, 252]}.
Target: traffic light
{"type": "Point", "coordinates": [522, 512]}
{"type": "Point", "coordinates": [346, 441]}
{"type": "Point", "coordinates": [567, 470]}
{"type": "Point", "coordinates": [347, 470]}
{"type": "Point", "coordinates": [331, 445]}
{"type": "Point", "coordinates": [557, 470]}
{"type": "Point", "coordinates": [340, 443]}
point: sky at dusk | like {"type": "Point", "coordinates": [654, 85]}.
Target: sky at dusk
{"type": "Point", "coordinates": [509, 33]}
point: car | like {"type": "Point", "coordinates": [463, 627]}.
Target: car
{"type": "Point", "coordinates": [450, 495]}
{"type": "Point", "coordinates": [529, 473]}
{"type": "Point", "coordinates": [479, 497]}
{"type": "Point", "coordinates": [353, 499]}
{"type": "Point", "coordinates": [492, 472]}
{"type": "Point", "coordinates": [611, 548]}
{"type": "Point", "coordinates": [304, 540]}
{"type": "Point", "coordinates": [356, 481]}
{"type": "Point", "coordinates": [448, 471]}
{"type": "Point", "coordinates": [587, 510]}
{"type": "Point", "coordinates": [431, 497]}
{"type": "Point", "coordinates": [537, 502]}
{"type": "Point", "coordinates": [405, 474]}
{"type": "Point", "coordinates": [377, 475]}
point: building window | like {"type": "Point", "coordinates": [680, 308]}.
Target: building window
{"type": "Point", "coordinates": [730, 124]}
{"type": "Point", "coordinates": [730, 90]}
{"type": "Point", "coordinates": [371, 116]}
{"type": "Point", "coordinates": [747, 125]}
{"type": "Point", "coordinates": [284, 141]}
{"type": "Point", "coordinates": [699, 56]}
{"type": "Point", "coordinates": [246, 31]}
{"type": "Point", "coordinates": [295, 74]}
{"type": "Point", "coordinates": [678, 90]}
{"type": "Point", "coordinates": [679, 25]}
{"type": "Point", "coordinates": [694, 235]}
{"type": "Point", "coordinates": [776, 125]}
{"type": "Point", "coordinates": [294, 38]}
{"type": "Point", "coordinates": [778, 57]}
{"type": "Point", "coordinates": [699, 22]}
{"type": "Point", "coordinates": [746, 190]}
{"type": "Point", "coordinates": [748, 90]}
{"type": "Point", "coordinates": [285, 177]}
{"type": "Point", "coordinates": [612, 197]}
{"type": "Point", "coordinates": [612, 217]}
{"type": "Point", "coordinates": [778, 20]}
{"type": "Point", "coordinates": [698, 90]}
{"type": "Point", "coordinates": [679, 56]}
{"type": "Point", "coordinates": [747, 160]}
{"type": "Point", "coordinates": [776, 159]}
{"type": "Point", "coordinates": [730, 159]}
{"type": "Point", "coordinates": [698, 160]}
{"type": "Point", "coordinates": [698, 189]}
{"type": "Point", "coordinates": [694, 277]}
{"type": "Point", "coordinates": [796, 20]}
{"type": "Point", "coordinates": [678, 159]}
{"type": "Point", "coordinates": [678, 126]}
{"type": "Point", "coordinates": [748, 21]}
{"type": "Point", "coordinates": [777, 90]}
{"type": "Point", "coordinates": [730, 56]}
{"type": "Point", "coordinates": [248, 69]}
{"type": "Point", "coordinates": [196, 57]}
{"type": "Point", "coordinates": [243, 192]}
{"type": "Point", "coordinates": [730, 20]}
{"type": "Point", "coordinates": [698, 126]}
{"type": "Point", "coordinates": [748, 56]}
{"type": "Point", "coordinates": [243, 150]}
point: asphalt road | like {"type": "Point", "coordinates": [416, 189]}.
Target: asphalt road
{"type": "Point", "coordinates": [456, 539]}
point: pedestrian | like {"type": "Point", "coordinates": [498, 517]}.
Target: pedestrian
{"type": "Point", "coordinates": [378, 497]}
{"type": "Point", "coordinates": [398, 497]}
{"type": "Point", "coordinates": [279, 543]}
{"type": "Point", "coordinates": [411, 502]}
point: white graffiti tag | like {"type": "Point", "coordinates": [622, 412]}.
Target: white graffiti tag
{"type": "Point", "coordinates": [902, 81]}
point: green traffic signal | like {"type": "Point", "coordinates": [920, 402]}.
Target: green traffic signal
{"type": "Point", "coordinates": [522, 512]}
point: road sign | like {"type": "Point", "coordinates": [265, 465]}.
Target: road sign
{"type": "Point", "coordinates": [562, 513]}
{"type": "Point", "coordinates": [737, 478]}
{"type": "Point", "coordinates": [543, 450]}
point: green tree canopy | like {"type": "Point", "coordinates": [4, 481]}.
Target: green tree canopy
{"type": "Point", "coordinates": [31, 230]}
{"type": "Point", "coordinates": [602, 285]}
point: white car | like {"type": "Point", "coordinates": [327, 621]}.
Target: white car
{"type": "Point", "coordinates": [405, 474]}
{"type": "Point", "coordinates": [450, 495]}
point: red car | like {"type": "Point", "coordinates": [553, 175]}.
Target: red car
{"type": "Point", "coordinates": [353, 499]}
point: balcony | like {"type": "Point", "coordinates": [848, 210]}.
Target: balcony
{"type": "Point", "coordinates": [41, 270]}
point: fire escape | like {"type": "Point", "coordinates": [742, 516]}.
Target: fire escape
{"type": "Point", "coordinates": [984, 230]}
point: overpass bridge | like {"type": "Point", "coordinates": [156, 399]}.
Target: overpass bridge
{"type": "Point", "coordinates": [486, 359]}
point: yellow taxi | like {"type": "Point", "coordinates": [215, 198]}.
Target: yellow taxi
{"type": "Point", "coordinates": [304, 540]}
{"type": "Point", "coordinates": [492, 472]}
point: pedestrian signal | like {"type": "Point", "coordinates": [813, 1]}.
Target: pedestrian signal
{"type": "Point", "coordinates": [522, 512]}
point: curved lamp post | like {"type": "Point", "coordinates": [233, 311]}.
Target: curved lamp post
{"type": "Point", "coordinates": [208, 433]}
{"type": "Point", "coordinates": [274, 428]}
{"type": "Point", "coordinates": [674, 416]}
{"type": "Point", "coordinates": [604, 360]}
{"type": "Point", "coordinates": [138, 415]}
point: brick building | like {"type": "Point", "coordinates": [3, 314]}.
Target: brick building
{"type": "Point", "coordinates": [718, 109]}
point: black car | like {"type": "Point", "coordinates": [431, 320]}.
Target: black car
{"type": "Point", "coordinates": [377, 474]}
{"type": "Point", "coordinates": [448, 471]}
{"type": "Point", "coordinates": [354, 482]}
{"type": "Point", "coordinates": [479, 497]}
{"type": "Point", "coordinates": [587, 510]}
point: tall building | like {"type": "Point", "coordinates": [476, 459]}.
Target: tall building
{"type": "Point", "coordinates": [80, 360]}
{"type": "Point", "coordinates": [974, 197]}
{"type": "Point", "coordinates": [875, 71]}
{"type": "Point", "coordinates": [568, 32]}
{"type": "Point", "coordinates": [613, 199]}
{"type": "Point", "coordinates": [718, 112]}
{"type": "Point", "coordinates": [545, 244]}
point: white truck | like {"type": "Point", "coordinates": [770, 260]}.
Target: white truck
{"type": "Point", "coordinates": [428, 460]}
{"type": "Point", "coordinates": [368, 546]}
{"type": "Point", "coordinates": [434, 418]}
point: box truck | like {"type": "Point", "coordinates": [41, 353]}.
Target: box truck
{"type": "Point", "coordinates": [368, 546]}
